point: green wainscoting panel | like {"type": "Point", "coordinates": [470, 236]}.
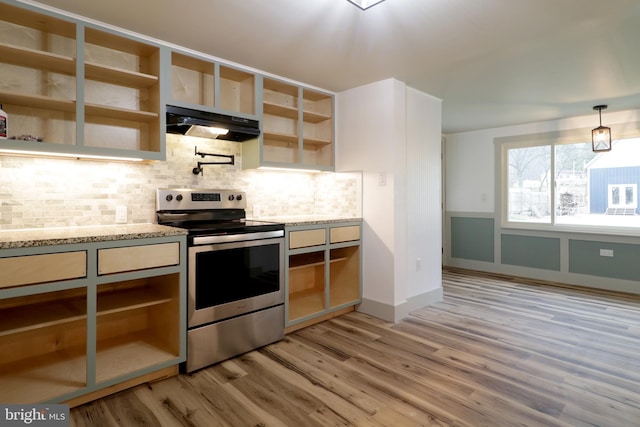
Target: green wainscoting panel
{"type": "Point", "coordinates": [529, 251]}
{"type": "Point", "coordinates": [584, 258]}
{"type": "Point", "coordinates": [472, 238]}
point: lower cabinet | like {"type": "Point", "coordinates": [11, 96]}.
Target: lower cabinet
{"type": "Point", "coordinates": [79, 339]}
{"type": "Point", "coordinates": [323, 272]}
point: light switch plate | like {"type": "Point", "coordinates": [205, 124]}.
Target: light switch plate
{"type": "Point", "coordinates": [121, 214]}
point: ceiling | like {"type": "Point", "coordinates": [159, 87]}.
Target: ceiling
{"type": "Point", "coordinates": [492, 62]}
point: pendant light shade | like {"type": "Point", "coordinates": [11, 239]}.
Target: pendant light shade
{"type": "Point", "coordinates": [601, 136]}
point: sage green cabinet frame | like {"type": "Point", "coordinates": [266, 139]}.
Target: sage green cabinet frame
{"type": "Point", "coordinates": [170, 276]}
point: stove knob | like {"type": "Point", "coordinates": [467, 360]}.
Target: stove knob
{"type": "Point", "coordinates": [239, 197]}
{"type": "Point", "coordinates": [231, 197]}
{"type": "Point", "coordinates": [179, 197]}
{"type": "Point", "coordinates": [169, 197]}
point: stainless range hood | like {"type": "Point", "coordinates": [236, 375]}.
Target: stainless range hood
{"type": "Point", "coordinates": [186, 121]}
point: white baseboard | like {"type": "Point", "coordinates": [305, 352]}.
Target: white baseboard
{"type": "Point", "coordinates": [396, 313]}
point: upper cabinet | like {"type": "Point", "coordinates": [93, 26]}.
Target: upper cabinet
{"type": "Point", "coordinates": [121, 92]}
{"type": "Point", "coordinates": [203, 84]}
{"type": "Point", "coordinates": [38, 76]}
{"type": "Point", "coordinates": [74, 88]}
{"type": "Point", "coordinates": [297, 129]}
{"type": "Point", "coordinates": [69, 88]}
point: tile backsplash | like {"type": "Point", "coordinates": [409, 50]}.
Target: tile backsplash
{"type": "Point", "coordinates": [40, 192]}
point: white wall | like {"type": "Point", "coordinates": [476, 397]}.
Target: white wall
{"type": "Point", "coordinates": [392, 134]}
{"type": "Point", "coordinates": [365, 118]}
{"type": "Point", "coordinates": [424, 211]}
{"type": "Point", "coordinates": [470, 179]}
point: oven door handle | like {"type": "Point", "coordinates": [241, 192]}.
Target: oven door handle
{"type": "Point", "coordinates": [226, 238]}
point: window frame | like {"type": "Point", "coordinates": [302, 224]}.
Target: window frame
{"type": "Point", "coordinates": [552, 139]}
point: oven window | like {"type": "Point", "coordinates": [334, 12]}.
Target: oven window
{"type": "Point", "coordinates": [228, 275]}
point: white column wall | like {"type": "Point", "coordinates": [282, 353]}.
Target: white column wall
{"type": "Point", "coordinates": [424, 199]}
{"type": "Point", "coordinates": [398, 152]}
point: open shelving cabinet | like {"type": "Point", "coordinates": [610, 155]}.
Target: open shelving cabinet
{"type": "Point", "coordinates": [323, 272]}
{"type": "Point", "coordinates": [70, 339]}
{"type": "Point", "coordinates": [203, 84]}
{"type": "Point", "coordinates": [297, 128]}
{"type": "Point", "coordinates": [72, 88]}
{"type": "Point", "coordinates": [43, 345]}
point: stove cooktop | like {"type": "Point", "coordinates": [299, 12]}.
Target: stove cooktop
{"type": "Point", "coordinates": [226, 227]}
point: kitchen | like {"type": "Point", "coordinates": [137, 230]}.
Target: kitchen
{"type": "Point", "coordinates": [387, 172]}
{"type": "Point", "coordinates": [69, 199]}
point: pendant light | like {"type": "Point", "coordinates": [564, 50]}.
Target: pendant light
{"type": "Point", "coordinates": [601, 136]}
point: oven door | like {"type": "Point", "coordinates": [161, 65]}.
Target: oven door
{"type": "Point", "coordinates": [230, 279]}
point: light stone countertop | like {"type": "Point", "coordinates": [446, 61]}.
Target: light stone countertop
{"type": "Point", "coordinates": [297, 220]}
{"type": "Point", "coordinates": [34, 237]}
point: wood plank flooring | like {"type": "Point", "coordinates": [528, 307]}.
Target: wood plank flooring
{"type": "Point", "coordinates": [495, 352]}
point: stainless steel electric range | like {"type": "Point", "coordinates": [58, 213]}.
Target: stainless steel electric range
{"type": "Point", "coordinates": [235, 273]}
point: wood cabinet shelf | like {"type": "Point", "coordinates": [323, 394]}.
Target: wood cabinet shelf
{"type": "Point", "coordinates": [41, 378]}
{"type": "Point", "coordinates": [286, 138]}
{"type": "Point", "coordinates": [314, 143]}
{"type": "Point", "coordinates": [37, 316]}
{"type": "Point", "coordinates": [131, 299]}
{"type": "Point", "coordinates": [38, 101]}
{"type": "Point", "coordinates": [118, 76]}
{"type": "Point", "coordinates": [314, 117]}
{"type": "Point", "coordinates": [119, 113]}
{"type": "Point", "coordinates": [305, 303]}
{"type": "Point", "coordinates": [121, 355]}
{"type": "Point", "coordinates": [38, 59]}
{"type": "Point", "coordinates": [314, 264]}
{"type": "Point", "coordinates": [280, 110]}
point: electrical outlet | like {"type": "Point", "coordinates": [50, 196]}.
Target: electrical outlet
{"type": "Point", "coordinates": [121, 214]}
{"type": "Point", "coordinates": [382, 179]}
{"type": "Point", "coordinates": [606, 252]}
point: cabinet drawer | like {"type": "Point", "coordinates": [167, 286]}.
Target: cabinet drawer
{"type": "Point", "coordinates": [117, 260]}
{"type": "Point", "coordinates": [31, 269]}
{"type": "Point", "coordinates": [302, 239]}
{"type": "Point", "coordinates": [345, 234]}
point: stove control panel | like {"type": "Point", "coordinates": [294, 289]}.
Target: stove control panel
{"type": "Point", "coordinates": [197, 199]}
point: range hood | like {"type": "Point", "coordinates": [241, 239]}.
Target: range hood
{"type": "Point", "coordinates": [186, 121]}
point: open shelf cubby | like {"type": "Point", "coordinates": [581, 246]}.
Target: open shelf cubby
{"type": "Point", "coordinates": [137, 325]}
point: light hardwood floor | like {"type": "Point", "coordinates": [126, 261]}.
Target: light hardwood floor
{"type": "Point", "coordinates": [495, 352]}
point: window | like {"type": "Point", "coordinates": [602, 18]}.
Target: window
{"type": "Point", "coordinates": [555, 182]}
